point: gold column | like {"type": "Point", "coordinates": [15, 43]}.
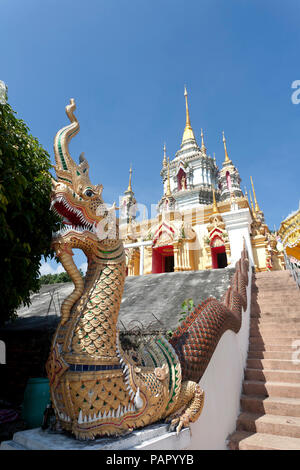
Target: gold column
{"type": "Point", "coordinates": [148, 260]}
{"type": "Point", "coordinates": [177, 256]}
{"type": "Point", "coordinates": [228, 252]}
{"type": "Point", "coordinates": [137, 262]}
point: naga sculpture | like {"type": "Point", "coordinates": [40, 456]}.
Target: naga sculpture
{"type": "Point", "coordinates": [96, 387]}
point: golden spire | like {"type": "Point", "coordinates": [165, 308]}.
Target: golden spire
{"type": "Point", "coordinates": [246, 194]}
{"type": "Point", "coordinates": [168, 192]}
{"type": "Point", "coordinates": [188, 133]}
{"type": "Point", "coordinates": [203, 148]}
{"type": "Point", "coordinates": [254, 195]}
{"type": "Point", "coordinates": [129, 185]}
{"type": "Point", "coordinates": [227, 159]}
{"type": "Point", "coordinates": [165, 156]}
{"type": "Point", "coordinates": [251, 204]}
{"type": "Point", "coordinates": [215, 207]}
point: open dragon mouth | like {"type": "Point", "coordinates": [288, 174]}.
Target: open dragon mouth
{"type": "Point", "coordinates": [73, 217]}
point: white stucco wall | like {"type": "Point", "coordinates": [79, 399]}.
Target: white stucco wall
{"type": "Point", "coordinates": [222, 384]}
{"type": "Point", "coordinates": [238, 226]}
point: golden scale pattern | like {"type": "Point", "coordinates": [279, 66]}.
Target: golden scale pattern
{"type": "Point", "coordinates": [99, 393]}
{"type": "Point", "coordinates": [96, 329]}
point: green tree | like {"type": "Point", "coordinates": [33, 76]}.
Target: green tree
{"type": "Point", "coordinates": [57, 278]}
{"type": "Point", "coordinates": [26, 221]}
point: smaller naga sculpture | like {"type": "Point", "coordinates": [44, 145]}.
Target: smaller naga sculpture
{"type": "Point", "coordinates": [96, 387]}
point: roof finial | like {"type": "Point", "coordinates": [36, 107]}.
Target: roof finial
{"type": "Point", "coordinates": [168, 192]}
{"type": "Point", "coordinates": [188, 122]}
{"type": "Point", "coordinates": [227, 159]}
{"type": "Point", "coordinates": [188, 133]}
{"type": "Point", "coordinates": [254, 195]}
{"type": "Point", "coordinates": [165, 156]}
{"type": "Point", "coordinates": [215, 207]}
{"type": "Point", "coordinates": [203, 148]}
{"type": "Point", "coordinates": [129, 185]}
{"type": "Point", "coordinates": [246, 194]}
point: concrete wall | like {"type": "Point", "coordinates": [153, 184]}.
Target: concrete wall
{"type": "Point", "coordinates": [222, 384]}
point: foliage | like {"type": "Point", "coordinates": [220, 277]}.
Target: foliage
{"type": "Point", "coordinates": [207, 240]}
{"type": "Point", "coordinates": [149, 236]}
{"type": "Point", "coordinates": [56, 278]}
{"type": "Point", "coordinates": [26, 222]}
{"type": "Point", "coordinates": [187, 307]}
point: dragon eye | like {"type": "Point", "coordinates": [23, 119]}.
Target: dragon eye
{"type": "Point", "coordinates": [89, 193]}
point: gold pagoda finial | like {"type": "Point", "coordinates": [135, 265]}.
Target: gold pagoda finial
{"type": "Point", "coordinates": [254, 195]}
{"type": "Point", "coordinates": [215, 207]}
{"type": "Point", "coordinates": [168, 192]}
{"type": "Point", "coordinates": [227, 159]}
{"type": "Point", "coordinates": [203, 148]}
{"type": "Point", "coordinates": [165, 156]}
{"type": "Point", "coordinates": [129, 185]}
{"type": "Point", "coordinates": [188, 122]}
{"type": "Point", "coordinates": [188, 133]}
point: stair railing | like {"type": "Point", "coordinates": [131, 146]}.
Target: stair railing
{"type": "Point", "coordinates": [294, 268]}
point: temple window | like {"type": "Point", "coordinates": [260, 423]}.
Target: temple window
{"type": "Point", "coordinates": [181, 180]}
{"type": "Point", "coordinates": [228, 180]}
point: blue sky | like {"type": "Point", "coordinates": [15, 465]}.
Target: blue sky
{"type": "Point", "coordinates": [126, 62]}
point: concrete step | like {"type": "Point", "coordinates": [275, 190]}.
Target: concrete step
{"type": "Point", "coordinates": [276, 302]}
{"type": "Point", "coordinates": [281, 317]}
{"type": "Point", "coordinates": [273, 322]}
{"type": "Point", "coordinates": [283, 340]}
{"type": "Point", "coordinates": [266, 375]}
{"type": "Point", "coordinates": [291, 295]}
{"type": "Point", "coordinates": [267, 333]}
{"type": "Point", "coordinates": [273, 286]}
{"type": "Point", "coordinates": [274, 364]}
{"type": "Point", "coordinates": [273, 279]}
{"type": "Point", "coordinates": [282, 406]}
{"type": "Point", "coordinates": [270, 355]}
{"type": "Point", "coordinates": [278, 310]}
{"type": "Point", "coordinates": [286, 309]}
{"type": "Point", "coordinates": [270, 347]}
{"type": "Point", "coordinates": [269, 274]}
{"type": "Point", "coordinates": [264, 298]}
{"type": "Point", "coordinates": [269, 424]}
{"type": "Point", "coordinates": [242, 440]}
{"type": "Point", "coordinates": [278, 330]}
{"type": "Point", "coordinates": [259, 289]}
{"type": "Point", "coordinates": [271, 389]}
{"type": "Point", "coordinates": [263, 288]}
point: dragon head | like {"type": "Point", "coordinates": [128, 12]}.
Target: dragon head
{"type": "Point", "coordinates": [78, 202]}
